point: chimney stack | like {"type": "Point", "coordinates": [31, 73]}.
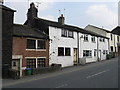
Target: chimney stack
{"type": "Point", "coordinates": [32, 12]}
{"type": "Point", "coordinates": [61, 19]}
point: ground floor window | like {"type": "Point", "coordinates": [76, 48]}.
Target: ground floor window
{"type": "Point", "coordinates": [60, 51]}
{"type": "Point", "coordinates": [31, 63]}
{"type": "Point", "coordinates": [41, 62]}
{"type": "Point", "coordinates": [64, 51]}
{"type": "Point", "coordinates": [35, 62]}
{"type": "Point", "coordinates": [105, 51]}
{"type": "Point", "coordinates": [87, 53]}
{"type": "Point", "coordinates": [67, 51]}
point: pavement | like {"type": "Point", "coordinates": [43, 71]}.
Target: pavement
{"type": "Point", "coordinates": [32, 78]}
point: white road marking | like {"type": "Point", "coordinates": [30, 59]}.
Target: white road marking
{"type": "Point", "coordinates": [62, 86]}
{"type": "Point", "coordinates": [97, 73]}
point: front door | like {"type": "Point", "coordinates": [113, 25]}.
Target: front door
{"type": "Point", "coordinates": [16, 64]}
{"type": "Point", "coordinates": [75, 55]}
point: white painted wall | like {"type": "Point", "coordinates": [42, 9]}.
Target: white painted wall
{"type": "Point", "coordinates": [88, 46]}
{"type": "Point", "coordinates": [58, 41]}
{"type": "Point", "coordinates": [103, 46]}
{"type": "Point", "coordinates": [114, 41]}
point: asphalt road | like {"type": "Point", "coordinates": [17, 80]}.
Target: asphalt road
{"type": "Point", "coordinates": [96, 75]}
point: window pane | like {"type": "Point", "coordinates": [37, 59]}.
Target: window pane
{"type": "Point", "coordinates": [70, 34]}
{"type": "Point", "coordinates": [41, 44]}
{"type": "Point", "coordinates": [60, 51]}
{"type": "Point", "coordinates": [64, 33]}
{"type": "Point", "coordinates": [40, 62]}
{"type": "Point", "coordinates": [85, 37]}
{"type": "Point", "coordinates": [67, 51]}
{"type": "Point", "coordinates": [31, 44]}
{"type": "Point", "coordinates": [31, 63]}
{"type": "Point", "coordinates": [87, 53]}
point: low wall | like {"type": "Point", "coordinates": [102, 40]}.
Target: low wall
{"type": "Point", "coordinates": [46, 69]}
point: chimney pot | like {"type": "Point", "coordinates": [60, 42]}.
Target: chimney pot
{"type": "Point", "coordinates": [61, 19]}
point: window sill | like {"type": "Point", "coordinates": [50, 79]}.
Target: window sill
{"type": "Point", "coordinates": [35, 49]}
{"type": "Point", "coordinates": [93, 42]}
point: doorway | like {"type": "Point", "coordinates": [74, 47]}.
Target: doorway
{"type": "Point", "coordinates": [75, 55]}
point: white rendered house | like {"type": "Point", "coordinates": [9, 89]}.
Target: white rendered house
{"type": "Point", "coordinates": [66, 46]}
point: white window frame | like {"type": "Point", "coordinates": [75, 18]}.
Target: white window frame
{"type": "Point", "coordinates": [36, 45]}
{"type": "Point", "coordinates": [90, 53]}
{"type": "Point", "coordinates": [86, 36]}
{"type": "Point", "coordinates": [93, 39]}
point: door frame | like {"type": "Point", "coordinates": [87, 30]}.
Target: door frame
{"type": "Point", "coordinates": [75, 61]}
{"type": "Point", "coordinates": [20, 57]}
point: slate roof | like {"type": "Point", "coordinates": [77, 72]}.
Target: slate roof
{"type": "Point", "coordinates": [45, 23]}
{"type": "Point", "coordinates": [6, 8]}
{"type": "Point", "coordinates": [26, 31]}
{"type": "Point", "coordinates": [116, 30]}
{"type": "Point", "coordinates": [99, 28]}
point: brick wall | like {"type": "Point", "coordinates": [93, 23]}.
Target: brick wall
{"type": "Point", "coordinates": [19, 48]}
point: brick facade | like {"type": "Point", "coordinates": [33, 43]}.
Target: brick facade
{"type": "Point", "coordinates": [19, 48]}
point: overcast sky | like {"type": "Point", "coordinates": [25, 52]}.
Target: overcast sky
{"type": "Point", "coordinates": [101, 14]}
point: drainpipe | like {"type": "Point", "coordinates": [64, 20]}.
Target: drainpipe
{"type": "Point", "coordinates": [78, 47]}
{"type": "Point", "coordinates": [109, 45]}
{"type": "Point", "coordinates": [114, 45]}
{"type": "Point", "coordinates": [97, 49]}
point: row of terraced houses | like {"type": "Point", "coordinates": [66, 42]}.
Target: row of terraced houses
{"type": "Point", "coordinates": [39, 43]}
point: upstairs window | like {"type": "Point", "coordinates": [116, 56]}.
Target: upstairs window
{"type": "Point", "coordinates": [31, 44]}
{"type": "Point", "coordinates": [93, 38]}
{"type": "Point", "coordinates": [35, 44]}
{"type": "Point", "coordinates": [118, 38]}
{"type": "Point", "coordinates": [41, 44]}
{"type": "Point", "coordinates": [111, 37]}
{"type": "Point", "coordinates": [70, 34]}
{"type": "Point", "coordinates": [64, 33]}
{"type": "Point", "coordinates": [102, 39]}
{"type": "Point", "coordinates": [85, 37]}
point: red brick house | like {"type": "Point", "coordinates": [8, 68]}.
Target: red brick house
{"type": "Point", "coordinates": [30, 48]}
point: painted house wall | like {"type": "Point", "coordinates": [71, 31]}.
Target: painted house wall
{"type": "Point", "coordinates": [114, 41]}
{"type": "Point", "coordinates": [88, 45]}
{"type": "Point", "coordinates": [57, 41]}
{"type": "Point", "coordinates": [103, 46]}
